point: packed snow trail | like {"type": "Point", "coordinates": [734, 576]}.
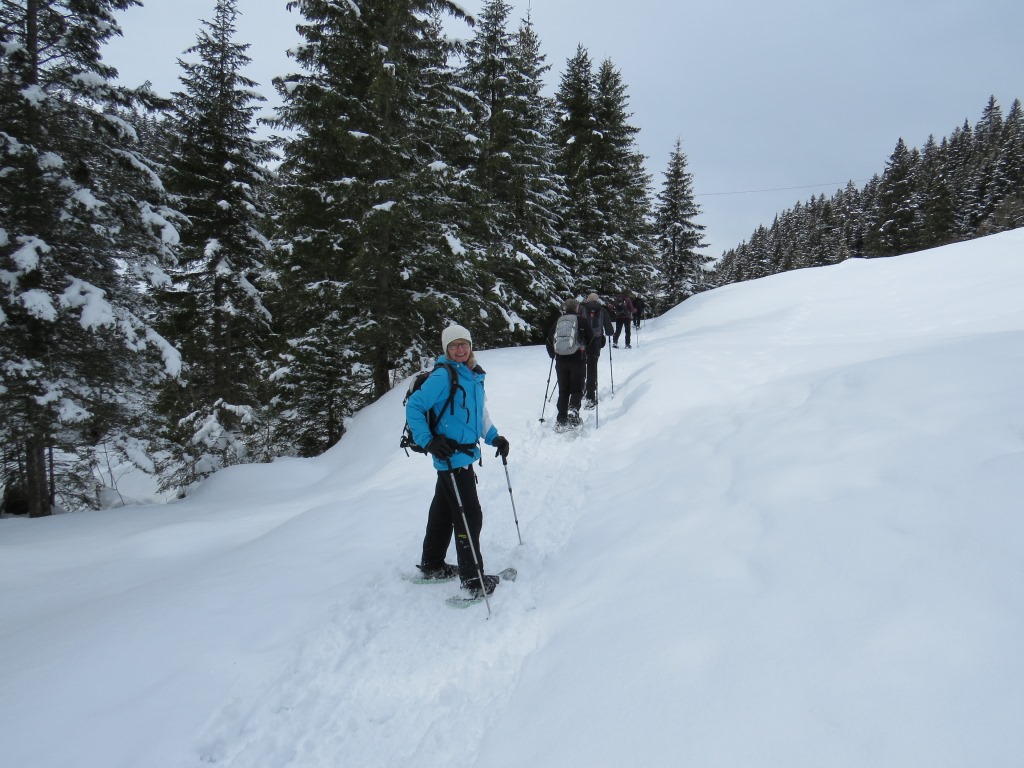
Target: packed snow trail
{"type": "Point", "coordinates": [392, 672]}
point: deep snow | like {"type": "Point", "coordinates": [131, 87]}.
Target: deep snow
{"type": "Point", "coordinates": [795, 540]}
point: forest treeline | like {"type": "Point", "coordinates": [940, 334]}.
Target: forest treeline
{"type": "Point", "coordinates": [182, 294]}
{"type": "Point", "coordinates": [966, 185]}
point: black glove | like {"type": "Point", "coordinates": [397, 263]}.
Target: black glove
{"type": "Point", "coordinates": [502, 445]}
{"type": "Point", "coordinates": [441, 447]}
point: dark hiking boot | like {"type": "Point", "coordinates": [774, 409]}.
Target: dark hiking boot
{"type": "Point", "coordinates": [590, 404]}
{"type": "Point", "coordinates": [473, 585]}
{"type": "Point", "coordinates": [438, 571]}
{"type": "Point", "coordinates": [574, 419]}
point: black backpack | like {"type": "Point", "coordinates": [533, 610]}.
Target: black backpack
{"type": "Point", "coordinates": [407, 442]}
{"type": "Point", "coordinates": [595, 320]}
{"type": "Point", "coordinates": [620, 307]}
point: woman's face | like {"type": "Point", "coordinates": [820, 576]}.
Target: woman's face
{"type": "Point", "coordinates": [459, 350]}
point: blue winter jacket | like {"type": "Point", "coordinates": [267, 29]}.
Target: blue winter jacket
{"type": "Point", "coordinates": [466, 426]}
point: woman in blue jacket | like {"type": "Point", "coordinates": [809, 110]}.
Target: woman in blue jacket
{"type": "Point", "coordinates": [454, 444]}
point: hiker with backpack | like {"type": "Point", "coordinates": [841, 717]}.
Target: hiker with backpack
{"type": "Point", "coordinates": [622, 307]}
{"type": "Point", "coordinates": [639, 305]}
{"type": "Point", "coordinates": [601, 326]}
{"type": "Point", "coordinates": [567, 345]}
{"type": "Point", "coordinates": [448, 417]}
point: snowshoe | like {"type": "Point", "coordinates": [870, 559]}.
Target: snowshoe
{"type": "Point", "coordinates": [472, 592]}
{"type": "Point", "coordinates": [427, 574]}
{"type": "Point", "coordinates": [568, 427]}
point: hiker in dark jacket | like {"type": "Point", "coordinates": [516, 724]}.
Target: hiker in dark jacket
{"type": "Point", "coordinates": [622, 307]}
{"type": "Point", "coordinates": [601, 326]}
{"type": "Point", "coordinates": [454, 445]}
{"type": "Point", "coordinates": [570, 368]}
{"type": "Point", "coordinates": [639, 305]}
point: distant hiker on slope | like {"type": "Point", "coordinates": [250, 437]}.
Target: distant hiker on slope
{"type": "Point", "coordinates": [453, 443]}
{"type": "Point", "coordinates": [622, 307]}
{"type": "Point", "coordinates": [567, 345]}
{"type": "Point", "coordinates": [601, 326]}
{"type": "Point", "coordinates": [639, 305]}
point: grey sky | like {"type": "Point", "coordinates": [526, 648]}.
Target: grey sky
{"type": "Point", "coordinates": [796, 96]}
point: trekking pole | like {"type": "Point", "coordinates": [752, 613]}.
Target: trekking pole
{"type": "Point", "coordinates": [546, 388]}
{"type": "Point", "coordinates": [469, 537]}
{"type": "Point", "coordinates": [504, 460]}
{"type": "Point", "coordinates": [611, 370]}
{"type": "Point", "coordinates": [597, 413]}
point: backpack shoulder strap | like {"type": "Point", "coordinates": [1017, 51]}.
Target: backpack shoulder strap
{"type": "Point", "coordinates": [453, 387]}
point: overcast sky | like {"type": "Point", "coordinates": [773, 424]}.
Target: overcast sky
{"type": "Point", "coordinates": [792, 96]}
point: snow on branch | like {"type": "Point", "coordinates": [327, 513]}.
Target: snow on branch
{"type": "Point", "coordinates": [26, 258]}
{"type": "Point", "coordinates": [38, 304]}
{"type": "Point", "coordinates": [96, 311]}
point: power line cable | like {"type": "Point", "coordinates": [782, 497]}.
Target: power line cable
{"type": "Point", "coordinates": [780, 188]}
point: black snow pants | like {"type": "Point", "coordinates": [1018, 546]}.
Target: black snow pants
{"type": "Point", "coordinates": [571, 371]}
{"type": "Point", "coordinates": [444, 519]}
{"type": "Point", "coordinates": [593, 356]}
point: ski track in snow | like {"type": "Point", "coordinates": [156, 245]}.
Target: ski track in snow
{"type": "Point", "coordinates": [323, 706]}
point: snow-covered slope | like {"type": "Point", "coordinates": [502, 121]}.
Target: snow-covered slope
{"type": "Point", "coordinates": [794, 540]}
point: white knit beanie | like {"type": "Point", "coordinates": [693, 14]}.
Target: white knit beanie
{"type": "Point", "coordinates": [453, 332]}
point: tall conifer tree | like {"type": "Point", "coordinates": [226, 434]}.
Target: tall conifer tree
{"type": "Point", "coordinates": [375, 246]}
{"type": "Point", "coordinates": [934, 220]}
{"type": "Point", "coordinates": [545, 197]}
{"type": "Point", "coordinates": [575, 140]}
{"type": "Point", "coordinates": [984, 187]}
{"type": "Point", "coordinates": [897, 205]}
{"type": "Point", "coordinates": [681, 272]}
{"type": "Point", "coordinates": [606, 225]}
{"type": "Point", "coordinates": [1008, 212]}
{"type": "Point", "coordinates": [215, 311]}
{"type": "Point", "coordinates": [82, 222]}
{"type": "Point", "coordinates": [513, 165]}
{"type": "Point", "coordinates": [626, 249]}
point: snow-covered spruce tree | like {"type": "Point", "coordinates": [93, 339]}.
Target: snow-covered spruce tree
{"type": "Point", "coordinates": [81, 229]}
{"type": "Point", "coordinates": [575, 137]}
{"type": "Point", "coordinates": [896, 205]}
{"type": "Point", "coordinates": [934, 217]}
{"type": "Point", "coordinates": [1008, 212]}
{"type": "Point", "coordinates": [607, 226]}
{"type": "Point", "coordinates": [375, 255]}
{"type": "Point", "coordinates": [681, 266]}
{"type": "Point", "coordinates": [512, 166]}
{"type": "Point", "coordinates": [214, 310]}
{"type": "Point", "coordinates": [546, 196]}
{"type": "Point", "coordinates": [850, 214]}
{"type": "Point", "coordinates": [959, 164]}
{"type": "Point", "coordinates": [626, 249]}
{"type": "Point", "coordinates": [984, 189]}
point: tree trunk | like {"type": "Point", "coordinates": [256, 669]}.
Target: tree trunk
{"type": "Point", "coordinates": [383, 313]}
{"type": "Point", "coordinates": [36, 487]}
